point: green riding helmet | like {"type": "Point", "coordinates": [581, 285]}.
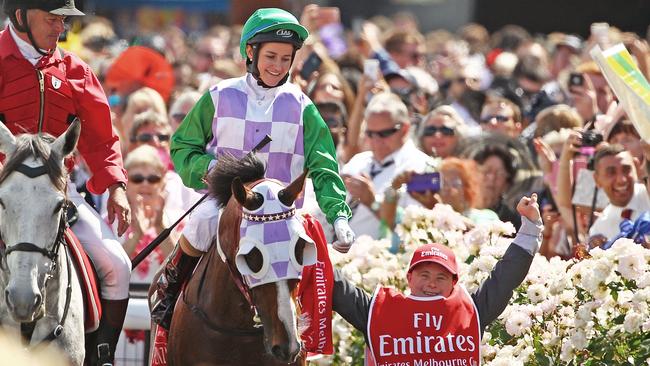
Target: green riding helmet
{"type": "Point", "coordinates": [260, 26]}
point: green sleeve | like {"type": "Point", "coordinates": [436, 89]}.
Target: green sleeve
{"type": "Point", "coordinates": [320, 159]}
{"type": "Point", "coordinates": [189, 141]}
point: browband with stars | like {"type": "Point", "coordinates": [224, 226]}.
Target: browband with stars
{"type": "Point", "coordinates": [269, 217]}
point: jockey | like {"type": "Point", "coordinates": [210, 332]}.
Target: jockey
{"type": "Point", "coordinates": [43, 89]}
{"type": "Point", "coordinates": [438, 321]}
{"type": "Point", "coordinates": [232, 118]}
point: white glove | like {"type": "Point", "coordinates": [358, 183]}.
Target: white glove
{"type": "Point", "coordinates": [344, 235]}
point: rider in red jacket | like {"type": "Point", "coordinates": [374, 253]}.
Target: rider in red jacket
{"type": "Point", "coordinates": [43, 89]}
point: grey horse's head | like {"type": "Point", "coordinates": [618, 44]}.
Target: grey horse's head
{"type": "Point", "coordinates": [32, 201]}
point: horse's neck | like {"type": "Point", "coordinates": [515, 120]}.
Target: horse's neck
{"type": "Point", "coordinates": [219, 293]}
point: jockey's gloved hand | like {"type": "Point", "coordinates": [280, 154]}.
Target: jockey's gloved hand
{"type": "Point", "coordinates": [344, 235]}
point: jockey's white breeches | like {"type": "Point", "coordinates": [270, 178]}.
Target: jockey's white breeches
{"type": "Point", "coordinates": [202, 225]}
{"type": "Point", "coordinates": [111, 262]}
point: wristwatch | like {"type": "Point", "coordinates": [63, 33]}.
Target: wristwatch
{"type": "Point", "coordinates": [121, 184]}
{"type": "Point", "coordinates": [391, 195]}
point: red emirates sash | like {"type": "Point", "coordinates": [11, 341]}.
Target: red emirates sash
{"type": "Point", "coordinates": [315, 294]}
{"type": "Point", "coordinates": [423, 331]}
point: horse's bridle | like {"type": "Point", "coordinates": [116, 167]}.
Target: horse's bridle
{"type": "Point", "coordinates": [52, 254]}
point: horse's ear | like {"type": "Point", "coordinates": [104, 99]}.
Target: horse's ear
{"type": "Point", "coordinates": [248, 199]}
{"type": "Point", "coordinates": [66, 143]}
{"type": "Point", "coordinates": [289, 194]}
{"type": "Point", "coordinates": [7, 140]}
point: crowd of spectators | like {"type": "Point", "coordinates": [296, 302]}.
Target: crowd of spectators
{"type": "Point", "coordinates": [497, 115]}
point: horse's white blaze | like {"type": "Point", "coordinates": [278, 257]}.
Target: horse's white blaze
{"type": "Point", "coordinates": [287, 314]}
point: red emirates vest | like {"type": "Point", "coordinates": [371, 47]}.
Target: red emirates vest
{"type": "Point", "coordinates": [30, 96]}
{"type": "Point", "coordinates": [419, 331]}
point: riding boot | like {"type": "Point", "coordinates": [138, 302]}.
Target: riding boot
{"type": "Point", "coordinates": [108, 333]}
{"type": "Point", "coordinates": [178, 269]}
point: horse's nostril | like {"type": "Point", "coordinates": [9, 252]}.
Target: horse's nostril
{"type": "Point", "coordinates": [280, 352]}
{"type": "Point", "coordinates": [8, 299]}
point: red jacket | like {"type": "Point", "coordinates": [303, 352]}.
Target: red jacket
{"type": "Point", "coordinates": [47, 97]}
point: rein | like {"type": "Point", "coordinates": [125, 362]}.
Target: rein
{"type": "Point", "coordinates": [27, 329]}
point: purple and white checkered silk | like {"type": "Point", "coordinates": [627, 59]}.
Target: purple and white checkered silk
{"type": "Point", "coordinates": [275, 238]}
{"type": "Point", "coordinates": [243, 116]}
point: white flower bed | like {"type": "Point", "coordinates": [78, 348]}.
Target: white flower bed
{"type": "Point", "coordinates": [592, 312]}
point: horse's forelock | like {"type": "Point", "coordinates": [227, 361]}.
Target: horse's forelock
{"type": "Point", "coordinates": [38, 147]}
{"type": "Point", "coordinates": [248, 169]}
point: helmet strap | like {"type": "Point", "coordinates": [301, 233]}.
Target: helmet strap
{"type": "Point", "coordinates": [251, 67]}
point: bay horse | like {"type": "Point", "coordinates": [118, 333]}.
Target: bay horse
{"type": "Point", "coordinates": [40, 294]}
{"type": "Point", "coordinates": [245, 273]}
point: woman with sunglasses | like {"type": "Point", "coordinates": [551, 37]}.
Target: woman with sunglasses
{"type": "Point", "coordinates": [153, 129]}
{"type": "Point", "coordinates": [150, 128]}
{"type": "Point", "coordinates": [440, 132]}
{"type": "Point", "coordinates": [233, 117]}
{"type": "Point", "coordinates": [148, 200]}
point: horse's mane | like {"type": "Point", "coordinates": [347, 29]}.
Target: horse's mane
{"type": "Point", "coordinates": [228, 167]}
{"type": "Point", "coordinates": [37, 146]}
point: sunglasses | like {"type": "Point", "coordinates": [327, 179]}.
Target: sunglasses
{"type": "Point", "coordinates": [139, 178]}
{"type": "Point", "coordinates": [384, 133]}
{"type": "Point", "coordinates": [179, 116]}
{"type": "Point", "coordinates": [148, 137]}
{"type": "Point", "coordinates": [444, 130]}
{"type": "Point", "coordinates": [498, 117]}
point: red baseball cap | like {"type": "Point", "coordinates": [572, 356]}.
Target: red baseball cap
{"type": "Point", "coordinates": [436, 253]}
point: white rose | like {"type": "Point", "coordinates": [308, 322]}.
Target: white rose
{"type": "Point", "coordinates": [486, 263]}
{"type": "Point", "coordinates": [537, 293]}
{"type": "Point", "coordinates": [631, 267]}
{"type": "Point", "coordinates": [517, 323]}
{"type": "Point", "coordinates": [633, 321]}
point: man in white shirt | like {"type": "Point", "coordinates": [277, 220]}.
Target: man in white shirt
{"type": "Point", "coordinates": [369, 173]}
{"type": "Point", "coordinates": [615, 173]}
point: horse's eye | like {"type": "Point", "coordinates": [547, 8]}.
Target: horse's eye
{"type": "Point", "coordinates": [299, 249]}
{"type": "Point", "coordinates": [254, 260]}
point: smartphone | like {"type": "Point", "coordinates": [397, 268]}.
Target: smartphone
{"type": "Point", "coordinates": [576, 79]}
{"type": "Point", "coordinates": [312, 63]}
{"type": "Point", "coordinates": [424, 182]}
{"type": "Point", "coordinates": [371, 69]}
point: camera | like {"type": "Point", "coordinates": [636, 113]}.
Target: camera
{"type": "Point", "coordinates": [576, 79]}
{"type": "Point", "coordinates": [591, 138]}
